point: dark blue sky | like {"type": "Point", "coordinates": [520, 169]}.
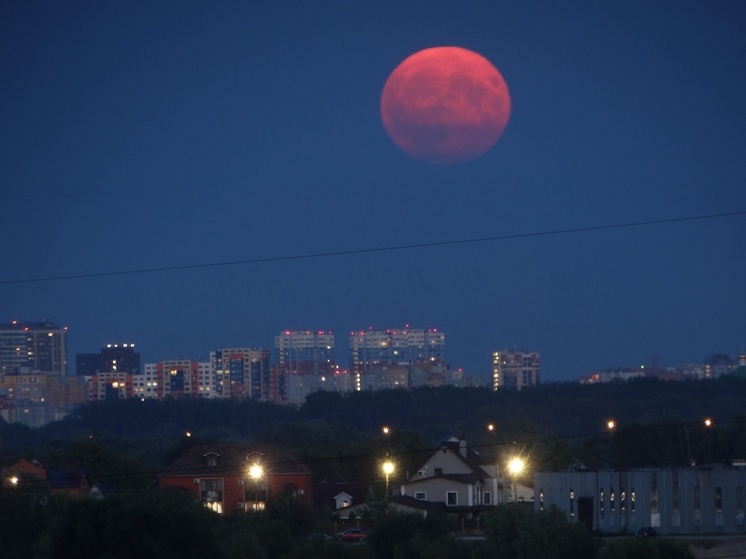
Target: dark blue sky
{"type": "Point", "coordinates": [140, 135]}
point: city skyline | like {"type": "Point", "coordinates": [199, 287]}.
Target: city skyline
{"type": "Point", "coordinates": [187, 177]}
{"type": "Point", "coordinates": [342, 355]}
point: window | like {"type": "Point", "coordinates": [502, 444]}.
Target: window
{"type": "Point", "coordinates": [675, 507]}
{"type": "Point", "coordinates": [211, 493]}
{"type": "Point", "coordinates": [487, 498]}
{"type": "Point", "coordinates": [438, 471]}
{"type": "Point", "coordinates": [718, 506]}
{"type": "Point", "coordinates": [420, 496]}
{"type": "Point", "coordinates": [451, 498]}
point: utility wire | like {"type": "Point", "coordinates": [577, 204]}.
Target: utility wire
{"type": "Point", "coordinates": [374, 249]}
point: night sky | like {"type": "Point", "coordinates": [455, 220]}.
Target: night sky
{"type": "Point", "coordinates": [138, 136]}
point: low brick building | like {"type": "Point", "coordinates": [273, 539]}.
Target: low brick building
{"type": "Point", "coordinates": [231, 479]}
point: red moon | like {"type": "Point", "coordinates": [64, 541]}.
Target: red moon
{"type": "Point", "coordinates": [445, 105]}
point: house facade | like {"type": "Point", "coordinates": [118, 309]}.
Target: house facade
{"type": "Point", "coordinates": [231, 479]}
{"type": "Point", "coordinates": [456, 476]}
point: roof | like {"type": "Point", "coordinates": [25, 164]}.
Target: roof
{"type": "Point", "coordinates": [472, 459]}
{"type": "Point", "coordinates": [429, 506]}
{"type": "Point", "coordinates": [233, 459]}
{"type": "Point", "coordinates": [459, 478]}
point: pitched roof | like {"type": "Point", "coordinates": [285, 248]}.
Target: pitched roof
{"type": "Point", "coordinates": [473, 477]}
{"type": "Point", "coordinates": [429, 506]}
{"type": "Point", "coordinates": [234, 459]}
{"type": "Point", "coordinates": [472, 458]}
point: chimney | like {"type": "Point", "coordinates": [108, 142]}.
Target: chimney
{"type": "Point", "coordinates": [462, 447]}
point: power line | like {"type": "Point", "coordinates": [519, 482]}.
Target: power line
{"type": "Point", "coordinates": [374, 249]}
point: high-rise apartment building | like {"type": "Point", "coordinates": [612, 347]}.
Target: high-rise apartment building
{"type": "Point", "coordinates": [373, 348]}
{"type": "Point", "coordinates": [175, 378]}
{"type": "Point", "coordinates": [305, 352]}
{"type": "Point", "coordinates": [515, 370]}
{"type": "Point", "coordinates": [242, 373]}
{"type": "Point", "coordinates": [34, 346]}
{"type": "Point", "coordinates": [114, 358]}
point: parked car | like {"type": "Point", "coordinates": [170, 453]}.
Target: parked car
{"type": "Point", "coordinates": [646, 532]}
{"type": "Point", "coordinates": [352, 535]}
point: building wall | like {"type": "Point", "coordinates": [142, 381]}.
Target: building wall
{"type": "Point", "coordinates": [113, 385]}
{"type": "Point", "coordinates": [515, 370]}
{"type": "Point", "coordinates": [369, 348]}
{"type": "Point", "coordinates": [114, 357]}
{"type": "Point", "coordinates": [242, 373]}
{"type": "Point", "coordinates": [237, 491]}
{"type": "Point", "coordinates": [41, 346]}
{"type": "Point", "coordinates": [305, 352]}
{"type": "Point", "coordinates": [672, 500]}
{"type": "Point", "coordinates": [436, 490]}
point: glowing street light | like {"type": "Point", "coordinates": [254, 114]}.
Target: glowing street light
{"type": "Point", "coordinates": [708, 422]}
{"type": "Point", "coordinates": [611, 424]}
{"type": "Point", "coordinates": [386, 430]}
{"type": "Point", "coordinates": [256, 474]}
{"type": "Point", "coordinates": [388, 469]}
{"type": "Point", "coordinates": [516, 466]}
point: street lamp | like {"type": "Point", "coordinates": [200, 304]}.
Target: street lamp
{"type": "Point", "coordinates": [388, 469]}
{"type": "Point", "coordinates": [256, 473]}
{"type": "Point", "coordinates": [516, 466]}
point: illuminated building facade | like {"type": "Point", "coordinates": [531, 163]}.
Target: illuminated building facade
{"type": "Point", "coordinates": [113, 385]}
{"type": "Point", "coordinates": [375, 348]}
{"type": "Point", "coordinates": [176, 378]}
{"type": "Point", "coordinates": [242, 373]}
{"type": "Point", "coordinates": [514, 370]}
{"type": "Point", "coordinates": [305, 352]}
{"type": "Point", "coordinates": [38, 346]}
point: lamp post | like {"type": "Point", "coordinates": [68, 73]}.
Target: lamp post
{"type": "Point", "coordinates": [388, 469]}
{"type": "Point", "coordinates": [516, 465]}
{"type": "Point", "coordinates": [256, 473]}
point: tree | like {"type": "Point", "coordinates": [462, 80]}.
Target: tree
{"type": "Point", "coordinates": [515, 532]}
{"type": "Point", "coordinates": [154, 523]}
{"type": "Point", "coordinates": [405, 535]}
